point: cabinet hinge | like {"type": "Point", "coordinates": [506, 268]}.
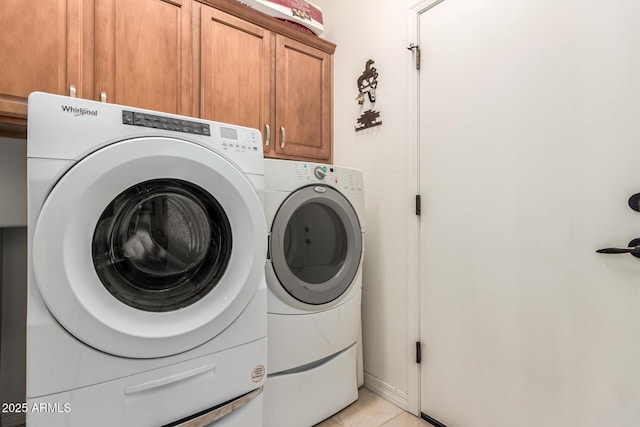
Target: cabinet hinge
{"type": "Point", "coordinates": [418, 352]}
{"type": "Point", "coordinates": [418, 205]}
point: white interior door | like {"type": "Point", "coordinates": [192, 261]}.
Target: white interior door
{"type": "Point", "coordinates": [529, 149]}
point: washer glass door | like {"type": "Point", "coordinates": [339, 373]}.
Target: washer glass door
{"type": "Point", "coordinates": [162, 245]}
{"type": "Point", "coordinates": [316, 245]}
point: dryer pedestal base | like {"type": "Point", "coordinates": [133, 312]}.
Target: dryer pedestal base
{"type": "Point", "coordinates": [301, 339]}
{"type": "Point", "coordinates": [304, 398]}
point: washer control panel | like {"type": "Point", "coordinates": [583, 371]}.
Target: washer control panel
{"type": "Point", "coordinates": [227, 138]}
{"type": "Point", "coordinates": [239, 140]}
{"type": "Point", "coordinates": [146, 120]}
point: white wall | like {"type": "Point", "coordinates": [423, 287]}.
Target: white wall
{"type": "Point", "coordinates": [377, 30]}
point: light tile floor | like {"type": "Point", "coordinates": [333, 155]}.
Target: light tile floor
{"type": "Point", "coordinates": [370, 410]}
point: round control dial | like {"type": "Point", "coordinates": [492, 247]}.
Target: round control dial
{"type": "Point", "coordinates": [320, 172]}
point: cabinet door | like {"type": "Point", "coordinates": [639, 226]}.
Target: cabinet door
{"type": "Point", "coordinates": [304, 97]}
{"type": "Point", "coordinates": [235, 73]}
{"type": "Point", "coordinates": [143, 53]}
{"type": "Point", "coordinates": [39, 50]}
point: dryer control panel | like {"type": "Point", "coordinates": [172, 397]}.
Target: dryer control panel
{"type": "Point", "coordinates": [345, 180]}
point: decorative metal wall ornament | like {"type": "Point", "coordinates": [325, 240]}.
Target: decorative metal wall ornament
{"type": "Point", "coordinates": [367, 84]}
{"type": "Point", "coordinates": [368, 119]}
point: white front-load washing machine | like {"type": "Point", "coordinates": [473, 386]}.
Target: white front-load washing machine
{"type": "Point", "coordinates": [315, 213]}
{"type": "Point", "coordinates": [146, 291]}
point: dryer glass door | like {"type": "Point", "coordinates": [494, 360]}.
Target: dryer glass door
{"type": "Point", "coordinates": [316, 244]}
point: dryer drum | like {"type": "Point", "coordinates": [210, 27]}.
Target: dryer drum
{"type": "Point", "coordinates": [161, 245]}
{"type": "Point", "coordinates": [316, 245]}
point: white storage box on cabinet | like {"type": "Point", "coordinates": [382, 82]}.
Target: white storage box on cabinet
{"type": "Point", "coordinates": [301, 13]}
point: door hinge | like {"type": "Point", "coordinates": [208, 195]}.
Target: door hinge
{"type": "Point", "coordinates": [415, 48]}
{"type": "Point", "coordinates": [418, 352]}
{"type": "Point", "coordinates": [418, 205]}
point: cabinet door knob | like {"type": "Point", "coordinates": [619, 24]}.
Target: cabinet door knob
{"type": "Point", "coordinates": [283, 141]}
{"type": "Point", "coordinates": [268, 136]}
{"type": "Point", "coordinates": [72, 91]}
{"type": "Point", "coordinates": [103, 96]}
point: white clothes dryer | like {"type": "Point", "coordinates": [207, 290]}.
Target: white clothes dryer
{"type": "Point", "coordinates": [315, 213]}
{"type": "Point", "coordinates": [146, 297]}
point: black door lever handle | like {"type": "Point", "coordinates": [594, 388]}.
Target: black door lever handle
{"type": "Point", "coordinates": [633, 249]}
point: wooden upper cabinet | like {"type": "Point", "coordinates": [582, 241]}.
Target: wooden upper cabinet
{"type": "Point", "coordinates": [216, 59]}
{"type": "Point", "coordinates": [143, 54]}
{"type": "Point", "coordinates": [135, 52]}
{"type": "Point", "coordinates": [304, 99]}
{"type": "Point", "coordinates": [235, 71]}
{"type": "Point", "coordinates": [39, 51]}
{"type": "Point", "coordinates": [259, 72]}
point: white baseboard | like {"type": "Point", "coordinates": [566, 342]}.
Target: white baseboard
{"type": "Point", "coordinates": [386, 391]}
{"type": "Point", "coordinates": [12, 420]}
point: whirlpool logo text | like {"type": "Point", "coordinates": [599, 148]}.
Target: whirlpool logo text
{"type": "Point", "coordinates": [76, 111]}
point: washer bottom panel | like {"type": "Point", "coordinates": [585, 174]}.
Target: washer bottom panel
{"type": "Point", "coordinates": [160, 396]}
{"type": "Point", "coordinates": [305, 398]}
